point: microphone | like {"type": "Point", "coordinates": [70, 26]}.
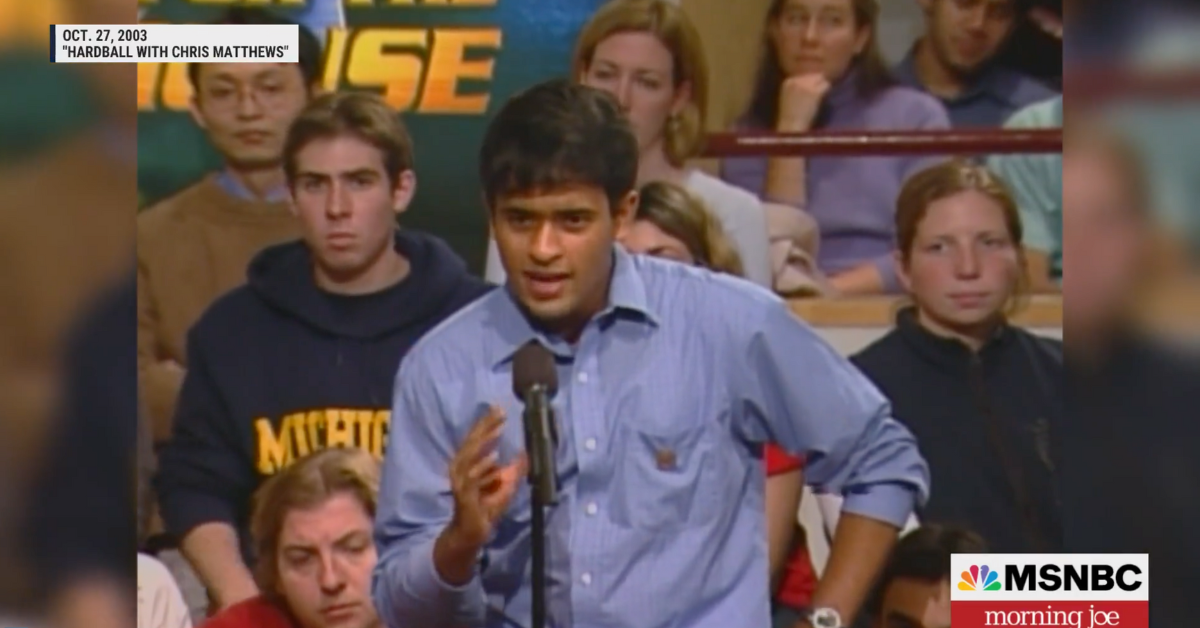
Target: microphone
{"type": "Point", "coordinates": [535, 381]}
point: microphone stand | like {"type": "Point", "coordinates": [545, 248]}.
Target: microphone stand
{"type": "Point", "coordinates": [543, 481]}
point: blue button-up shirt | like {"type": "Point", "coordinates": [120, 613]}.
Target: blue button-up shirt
{"type": "Point", "coordinates": [994, 95]}
{"type": "Point", "coordinates": [663, 406]}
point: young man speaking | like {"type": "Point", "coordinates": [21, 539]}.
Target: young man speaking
{"type": "Point", "coordinates": [670, 380]}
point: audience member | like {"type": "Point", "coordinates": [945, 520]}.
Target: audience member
{"type": "Point", "coordinates": [1129, 470]}
{"type": "Point", "coordinates": [822, 69]}
{"type": "Point", "coordinates": [981, 395]}
{"type": "Point", "coordinates": [650, 57]}
{"type": "Point", "coordinates": [675, 377]}
{"type": "Point", "coordinates": [914, 591]}
{"type": "Point", "coordinates": [1036, 182]}
{"type": "Point", "coordinates": [304, 356]}
{"type": "Point", "coordinates": [312, 531]}
{"type": "Point", "coordinates": [159, 602]}
{"type": "Point", "coordinates": [194, 246]}
{"type": "Point", "coordinates": [956, 61]}
{"type": "Point", "coordinates": [82, 519]}
{"type": "Point", "coordinates": [793, 578]}
{"type": "Point", "coordinates": [670, 223]}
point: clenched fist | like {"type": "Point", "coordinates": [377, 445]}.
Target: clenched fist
{"type": "Point", "coordinates": [799, 100]}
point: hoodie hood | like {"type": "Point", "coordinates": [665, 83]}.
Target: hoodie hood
{"type": "Point", "coordinates": [282, 276]}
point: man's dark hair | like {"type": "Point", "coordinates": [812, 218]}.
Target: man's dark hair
{"type": "Point", "coordinates": [559, 133]}
{"type": "Point", "coordinates": [924, 555]}
{"type": "Point", "coordinates": [310, 47]}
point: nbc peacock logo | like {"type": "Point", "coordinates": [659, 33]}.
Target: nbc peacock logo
{"type": "Point", "coordinates": [979, 578]}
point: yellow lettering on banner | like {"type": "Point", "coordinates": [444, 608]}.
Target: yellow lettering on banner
{"type": "Point", "coordinates": [335, 58]}
{"type": "Point", "coordinates": [177, 88]}
{"type": "Point", "coordinates": [149, 75]}
{"type": "Point", "coordinates": [447, 65]}
{"type": "Point", "coordinates": [341, 428]}
{"type": "Point", "coordinates": [373, 64]}
{"type": "Point", "coordinates": [274, 451]}
{"type": "Point", "coordinates": [393, 59]}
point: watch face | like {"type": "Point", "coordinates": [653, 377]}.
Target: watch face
{"type": "Point", "coordinates": [826, 618]}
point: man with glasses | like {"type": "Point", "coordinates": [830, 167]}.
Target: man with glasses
{"type": "Point", "coordinates": [195, 245]}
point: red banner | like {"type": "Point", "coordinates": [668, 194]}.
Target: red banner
{"type": "Point", "coordinates": [1093, 614]}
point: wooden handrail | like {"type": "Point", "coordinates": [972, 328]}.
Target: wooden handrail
{"type": "Point", "coordinates": [1041, 312]}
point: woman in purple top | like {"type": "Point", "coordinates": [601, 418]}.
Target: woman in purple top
{"type": "Point", "coordinates": [822, 69]}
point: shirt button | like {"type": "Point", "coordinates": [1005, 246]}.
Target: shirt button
{"type": "Point", "coordinates": [591, 508]}
{"type": "Point", "coordinates": [582, 378]}
{"type": "Point", "coordinates": [590, 444]}
{"type": "Point", "coordinates": [586, 579]}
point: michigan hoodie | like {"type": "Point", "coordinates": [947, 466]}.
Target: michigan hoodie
{"type": "Point", "coordinates": [279, 368]}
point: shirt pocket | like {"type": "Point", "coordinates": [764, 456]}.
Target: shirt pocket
{"type": "Point", "coordinates": [667, 481]}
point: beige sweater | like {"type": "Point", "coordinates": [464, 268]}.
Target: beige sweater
{"type": "Point", "coordinates": [191, 249]}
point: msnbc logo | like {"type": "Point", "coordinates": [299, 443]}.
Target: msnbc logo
{"type": "Point", "coordinates": [979, 579]}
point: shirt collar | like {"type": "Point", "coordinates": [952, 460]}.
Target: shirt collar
{"type": "Point", "coordinates": [626, 298]}
{"type": "Point", "coordinates": [234, 187]}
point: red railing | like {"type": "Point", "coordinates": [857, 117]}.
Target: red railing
{"type": "Point", "coordinates": [864, 143]}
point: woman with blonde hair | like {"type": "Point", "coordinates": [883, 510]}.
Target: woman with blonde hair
{"type": "Point", "coordinates": [673, 224]}
{"type": "Point", "coordinates": [649, 56]}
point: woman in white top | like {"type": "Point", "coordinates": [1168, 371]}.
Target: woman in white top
{"type": "Point", "coordinates": [160, 603]}
{"type": "Point", "coordinates": [649, 56]}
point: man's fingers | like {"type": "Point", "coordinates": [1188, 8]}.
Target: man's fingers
{"type": "Point", "coordinates": [483, 467]}
{"type": "Point", "coordinates": [479, 440]}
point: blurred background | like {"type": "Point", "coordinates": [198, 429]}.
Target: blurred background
{"type": "Point", "coordinates": [84, 147]}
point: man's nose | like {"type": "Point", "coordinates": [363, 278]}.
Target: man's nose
{"type": "Point", "coordinates": [338, 204]}
{"type": "Point", "coordinates": [545, 246]}
{"type": "Point", "coordinates": [248, 105]}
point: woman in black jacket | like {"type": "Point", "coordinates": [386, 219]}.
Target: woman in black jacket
{"type": "Point", "coordinates": [982, 396]}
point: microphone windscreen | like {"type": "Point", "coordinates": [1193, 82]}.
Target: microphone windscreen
{"type": "Point", "coordinates": [532, 365]}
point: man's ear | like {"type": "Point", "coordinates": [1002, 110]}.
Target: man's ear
{"type": "Point", "coordinates": [491, 215]}
{"type": "Point", "coordinates": [624, 213]}
{"type": "Point", "coordinates": [403, 191]}
{"type": "Point", "coordinates": [194, 109]}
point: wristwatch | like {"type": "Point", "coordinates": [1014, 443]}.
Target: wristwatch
{"type": "Point", "coordinates": [825, 618]}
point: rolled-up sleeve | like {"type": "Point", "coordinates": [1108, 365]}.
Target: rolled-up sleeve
{"type": "Point", "coordinates": [802, 395]}
{"type": "Point", "coordinates": [415, 504]}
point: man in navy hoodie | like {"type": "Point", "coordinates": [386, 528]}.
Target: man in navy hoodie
{"type": "Point", "coordinates": [303, 356]}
